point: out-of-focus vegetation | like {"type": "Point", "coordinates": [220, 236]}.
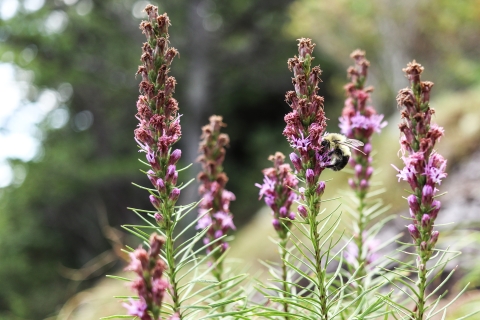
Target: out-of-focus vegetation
{"type": "Point", "coordinates": [232, 62]}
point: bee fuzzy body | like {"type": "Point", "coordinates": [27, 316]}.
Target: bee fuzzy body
{"type": "Point", "coordinates": [339, 149]}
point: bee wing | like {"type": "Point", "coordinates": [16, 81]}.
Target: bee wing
{"type": "Point", "coordinates": [353, 143]}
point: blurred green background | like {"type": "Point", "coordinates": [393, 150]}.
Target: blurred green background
{"type": "Point", "coordinates": [67, 106]}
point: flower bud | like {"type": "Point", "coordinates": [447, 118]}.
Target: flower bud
{"type": "Point", "coordinates": [276, 224]}
{"type": "Point", "coordinates": [412, 214]}
{"type": "Point", "coordinates": [351, 183]}
{"type": "Point", "coordinates": [174, 195]}
{"type": "Point", "coordinates": [175, 178]}
{"type": "Point", "coordinates": [160, 185]}
{"type": "Point", "coordinates": [291, 215]}
{"type": "Point", "coordinates": [423, 246]}
{"type": "Point", "coordinates": [218, 234]}
{"type": "Point", "coordinates": [358, 169]}
{"type": "Point", "coordinates": [364, 184]}
{"type": "Point", "coordinates": [153, 161]}
{"type": "Point", "coordinates": [297, 163]}
{"type": "Point", "coordinates": [413, 231]}
{"type": "Point", "coordinates": [367, 148]}
{"type": "Point", "coordinates": [175, 156]}
{"type": "Point", "coordinates": [283, 212]}
{"type": "Point", "coordinates": [225, 246]}
{"type": "Point", "coordinates": [310, 176]}
{"type": "Point", "coordinates": [170, 173]}
{"type": "Point", "coordinates": [425, 221]}
{"type": "Point", "coordinates": [321, 188]}
{"type": "Point", "coordinates": [151, 176]}
{"type": "Point", "coordinates": [435, 208]}
{"type": "Point", "coordinates": [369, 172]}
{"type": "Point", "coordinates": [413, 203]}
{"type": "Point", "coordinates": [427, 194]}
{"type": "Point", "coordinates": [159, 218]}
{"type": "Point", "coordinates": [303, 211]}
{"type": "Point", "coordinates": [156, 244]}
{"type": "Point", "coordinates": [155, 201]}
{"type": "Point", "coordinates": [434, 238]}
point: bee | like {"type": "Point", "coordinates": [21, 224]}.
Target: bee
{"type": "Point", "coordinates": [339, 149]}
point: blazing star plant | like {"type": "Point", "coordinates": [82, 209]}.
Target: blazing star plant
{"type": "Point", "coordinates": [279, 192]}
{"type": "Point", "coordinates": [360, 121]}
{"type": "Point", "coordinates": [424, 171]}
{"type": "Point", "coordinates": [214, 208]}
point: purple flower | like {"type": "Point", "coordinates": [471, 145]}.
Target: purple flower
{"type": "Point", "coordinates": [226, 220]}
{"type": "Point", "coordinates": [204, 222]}
{"type": "Point", "coordinates": [279, 191]}
{"type": "Point", "coordinates": [136, 308]}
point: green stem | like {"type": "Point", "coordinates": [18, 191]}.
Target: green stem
{"type": "Point", "coordinates": [286, 289]}
{"type": "Point", "coordinates": [169, 255]}
{"type": "Point", "coordinates": [422, 284]}
{"type": "Point", "coordinates": [314, 209]}
{"type": "Point", "coordinates": [217, 273]}
{"type": "Point", "coordinates": [359, 242]}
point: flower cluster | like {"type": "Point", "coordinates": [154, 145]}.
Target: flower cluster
{"type": "Point", "coordinates": [359, 121]}
{"type": "Point", "coordinates": [306, 123]}
{"type": "Point", "coordinates": [215, 206]}
{"type": "Point", "coordinates": [278, 190]}
{"type": "Point", "coordinates": [424, 168]}
{"type": "Point", "coordinates": [159, 121]}
{"type": "Point", "coordinates": [149, 284]}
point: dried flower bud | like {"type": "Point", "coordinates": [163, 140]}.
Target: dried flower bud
{"type": "Point", "coordinates": [156, 244]}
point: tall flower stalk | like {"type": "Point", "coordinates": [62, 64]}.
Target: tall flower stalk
{"type": "Point", "coordinates": [279, 192]}
{"type": "Point", "coordinates": [157, 131]}
{"type": "Point", "coordinates": [360, 121]}
{"type": "Point", "coordinates": [214, 208]}
{"type": "Point", "coordinates": [305, 127]}
{"type": "Point", "coordinates": [424, 170]}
